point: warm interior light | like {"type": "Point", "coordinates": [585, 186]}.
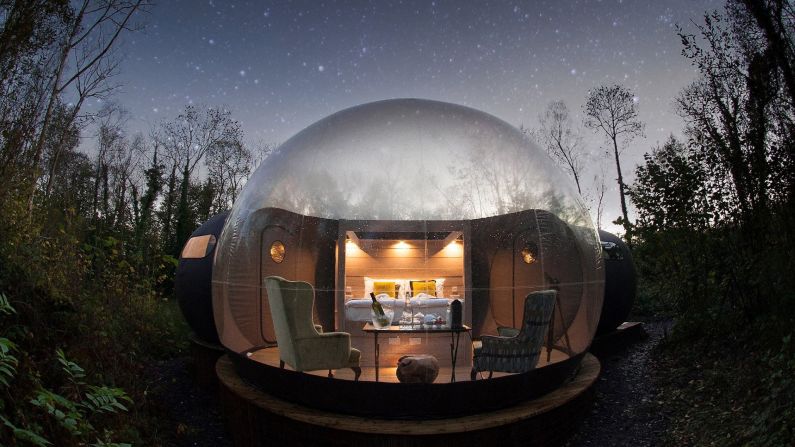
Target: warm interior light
{"type": "Point", "coordinates": [402, 244]}
{"type": "Point", "coordinates": [528, 256]}
{"type": "Point", "coordinates": [351, 246]}
{"type": "Point", "coordinates": [454, 248]}
{"type": "Point", "coordinates": [198, 247]}
{"type": "Point", "coordinates": [277, 252]}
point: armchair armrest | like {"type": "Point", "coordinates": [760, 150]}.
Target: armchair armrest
{"type": "Point", "coordinates": [505, 331]}
{"type": "Point", "coordinates": [329, 350]}
{"type": "Point", "coordinates": [319, 328]}
{"type": "Point", "coordinates": [493, 343]}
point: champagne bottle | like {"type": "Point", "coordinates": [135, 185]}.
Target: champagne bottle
{"type": "Point", "coordinates": [378, 310]}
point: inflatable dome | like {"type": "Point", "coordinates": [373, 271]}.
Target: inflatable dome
{"type": "Point", "coordinates": [421, 203]}
{"type": "Point", "coordinates": [193, 279]}
{"type": "Point", "coordinates": [620, 282]}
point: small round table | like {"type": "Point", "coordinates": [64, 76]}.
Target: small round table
{"type": "Point", "coordinates": [455, 335]}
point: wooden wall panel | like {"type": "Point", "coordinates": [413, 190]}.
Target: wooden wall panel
{"type": "Point", "coordinates": [355, 264]}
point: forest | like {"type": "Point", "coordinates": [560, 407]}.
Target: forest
{"type": "Point", "coordinates": [94, 217]}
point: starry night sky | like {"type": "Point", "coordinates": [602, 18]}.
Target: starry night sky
{"type": "Point", "coordinates": [280, 66]}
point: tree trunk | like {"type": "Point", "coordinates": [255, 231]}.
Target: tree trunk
{"type": "Point", "coordinates": [182, 213]}
{"type": "Point", "coordinates": [136, 212]}
{"type": "Point", "coordinates": [621, 192]}
{"type": "Point", "coordinates": [105, 194]}
{"type": "Point", "coordinates": [95, 201]}
{"type": "Point", "coordinates": [54, 92]}
{"type": "Point", "coordinates": [577, 181]}
{"type": "Point", "coordinates": [121, 201]}
{"type": "Point", "coordinates": [764, 17]}
{"type": "Point", "coordinates": [572, 168]}
{"type": "Point", "coordinates": [59, 146]}
{"type": "Point", "coordinates": [169, 209]}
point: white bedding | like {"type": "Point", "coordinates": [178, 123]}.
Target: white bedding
{"type": "Point", "coordinates": [359, 309]}
{"type": "Point", "coordinates": [429, 303]}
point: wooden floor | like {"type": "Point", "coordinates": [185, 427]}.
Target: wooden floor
{"type": "Point", "coordinates": [270, 356]}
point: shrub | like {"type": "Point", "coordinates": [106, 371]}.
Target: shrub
{"type": "Point", "coordinates": [67, 416]}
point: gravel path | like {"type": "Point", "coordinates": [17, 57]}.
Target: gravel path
{"type": "Point", "coordinates": [625, 411]}
{"type": "Point", "coordinates": [194, 412]}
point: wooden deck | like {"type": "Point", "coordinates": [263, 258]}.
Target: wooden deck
{"type": "Point", "coordinates": [270, 356]}
{"type": "Point", "coordinates": [257, 418]}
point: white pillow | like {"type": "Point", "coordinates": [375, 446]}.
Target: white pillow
{"type": "Point", "coordinates": [439, 287]}
{"type": "Point", "coordinates": [368, 286]}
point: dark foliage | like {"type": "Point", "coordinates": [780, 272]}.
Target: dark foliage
{"type": "Point", "coordinates": [714, 234]}
{"type": "Point", "coordinates": [90, 242]}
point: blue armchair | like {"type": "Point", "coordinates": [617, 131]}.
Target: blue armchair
{"type": "Point", "coordinates": [517, 350]}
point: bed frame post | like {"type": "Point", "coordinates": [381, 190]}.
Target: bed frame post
{"type": "Point", "coordinates": [468, 274]}
{"type": "Point", "coordinates": [339, 284]}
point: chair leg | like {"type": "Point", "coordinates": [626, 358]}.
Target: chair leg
{"type": "Point", "coordinates": [330, 374]}
{"type": "Point", "coordinates": [357, 371]}
{"type": "Point", "coordinates": [281, 364]}
{"type": "Point", "coordinates": [490, 374]}
{"type": "Point", "coordinates": [473, 374]}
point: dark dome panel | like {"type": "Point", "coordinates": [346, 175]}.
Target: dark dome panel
{"type": "Point", "coordinates": [620, 282]}
{"type": "Point", "coordinates": [193, 282]}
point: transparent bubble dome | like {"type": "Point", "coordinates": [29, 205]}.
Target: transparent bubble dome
{"type": "Point", "coordinates": [408, 191]}
{"type": "Point", "coordinates": [411, 159]}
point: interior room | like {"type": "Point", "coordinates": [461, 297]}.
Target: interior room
{"type": "Point", "coordinates": [416, 276]}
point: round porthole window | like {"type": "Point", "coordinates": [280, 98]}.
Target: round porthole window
{"type": "Point", "coordinates": [277, 252]}
{"type": "Point", "coordinates": [529, 254]}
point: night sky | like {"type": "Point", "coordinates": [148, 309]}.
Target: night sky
{"type": "Point", "coordinates": [280, 66]}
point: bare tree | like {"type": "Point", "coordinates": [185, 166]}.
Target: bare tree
{"type": "Point", "coordinates": [739, 112]}
{"type": "Point", "coordinates": [195, 132]}
{"type": "Point", "coordinates": [187, 140]}
{"type": "Point", "coordinates": [84, 61]}
{"type": "Point", "coordinates": [599, 196]}
{"type": "Point", "coordinates": [152, 179]}
{"type": "Point", "coordinates": [261, 151]}
{"type": "Point", "coordinates": [562, 140]}
{"type": "Point", "coordinates": [123, 164]}
{"type": "Point", "coordinates": [111, 147]}
{"type": "Point", "coordinates": [613, 111]}
{"type": "Point", "coordinates": [29, 30]}
{"type": "Point", "coordinates": [228, 165]}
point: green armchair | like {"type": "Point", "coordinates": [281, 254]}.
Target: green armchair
{"type": "Point", "coordinates": [517, 350]}
{"type": "Point", "coordinates": [301, 344]}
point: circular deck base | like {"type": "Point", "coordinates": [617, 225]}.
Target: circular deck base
{"type": "Point", "coordinates": [204, 356]}
{"type": "Point", "coordinates": [255, 418]}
